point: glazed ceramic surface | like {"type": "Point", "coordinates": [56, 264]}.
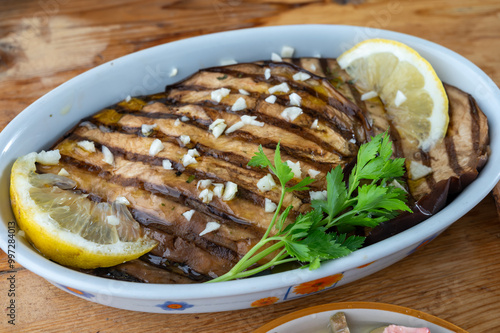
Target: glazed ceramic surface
{"type": "Point", "coordinates": [361, 317]}
{"type": "Point", "coordinates": [147, 72]}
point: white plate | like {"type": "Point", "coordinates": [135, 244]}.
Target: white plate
{"type": "Point", "coordinates": [361, 317]}
{"type": "Point", "coordinates": [147, 72]}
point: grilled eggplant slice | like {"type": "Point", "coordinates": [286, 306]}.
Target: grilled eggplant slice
{"type": "Point", "coordinates": [162, 188]}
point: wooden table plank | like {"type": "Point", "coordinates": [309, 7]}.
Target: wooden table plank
{"type": "Point", "coordinates": [45, 43]}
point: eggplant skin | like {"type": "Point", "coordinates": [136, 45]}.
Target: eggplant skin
{"type": "Point", "coordinates": [160, 196]}
{"type": "Point", "coordinates": [327, 133]}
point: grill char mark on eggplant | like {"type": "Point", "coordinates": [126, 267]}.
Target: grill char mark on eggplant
{"type": "Point", "coordinates": [329, 96]}
{"type": "Point", "coordinates": [159, 197]}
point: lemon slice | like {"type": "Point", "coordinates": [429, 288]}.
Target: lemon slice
{"type": "Point", "coordinates": [407, 84]}
{"type": "Point", "coordinates": [69, 228]}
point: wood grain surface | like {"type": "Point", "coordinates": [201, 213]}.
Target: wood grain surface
{"type": "Point", "coordinates": [44, 43]}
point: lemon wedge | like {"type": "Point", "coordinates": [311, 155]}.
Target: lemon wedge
{"type": "Point", "coordinates": [69, 228]}
{"type": "Point", "coordinates": [410, 89]}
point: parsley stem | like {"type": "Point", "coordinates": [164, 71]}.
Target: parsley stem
{"type": "Point", "coordinates": [335, 220]}
{"type": "Point", "coordinates": [238, 270]}
{"type": "Point", "coordinates": [276, 213]}
{"type": "Point", "coordinates": [262, 254]}
{"type": "Point", "coordinates": [278, 260]}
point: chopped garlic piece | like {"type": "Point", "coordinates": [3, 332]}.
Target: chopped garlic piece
{"type": "Point", "coordinates": [193, 152]}
{"type": "Point", "coordinates": [206, 195]}
{"type": "Point", "coordinates": [396, 184]}
{"type": "Point", "coordinates": [147, 129]}
{"type": "Point", "coordinates": [400, 98]}
{"type": "Point", "coordinates": [313, 173]}
{"type": "Point", "coordinates": [287, 51]}
{"type": "Point", "coordinates": [87, 145]}
{"type": "Point", "coordinates": [219, 94]}
{"type": "Point", "coordinates": [188, 214]}
{"type": "Point", "coordinates": [215, 123]}
{"type": "Point", "coordinates": [217, 131]}
{"type": "Point", "coordinates": [88, 125]}
{"type": "Point", "coordinates": [112, 220]}
{"type": "Point", "coordinates": [250, 120]}
{"type": "Point", "coordinates": [295, 99]}
{"type": "Point", "coordinates": [211, 226]}
{"type": "Point", "coordinates": [245, 120]}
{"type": "Point", "coordinates": [63, 172]}
{"type": "Point", "coordinates": [297, 172]}
{"type": "Point", "coordinates": [227, 62]}
{"type": "Point", "coordinates": [173, 72]}
{"type": "Point", "coordinates": [271, 99]}
{"type": "Point", "coordinates": [240, 104]}
{"type": "Point", "coordinates": [122, 201]}
{"type": "Point", "coordinates": [184, 119]}
{"type": "Point", "coordinates": [318, 195]}
{"type": "Point", "coordinates": [177, 122]}
{"type": "Point", "coordinates": [243, 92]}
{"type": "Point", "coordinates": [315, 125]}
{"type": "Point", "coordinates": [236, 126]}
{"type": "Point", "coordinates": [188, 159]}
{"type": "Point", "coordinates": [267, 73]}
{"type": "Point", "coordinates": [167, 165]}
{"type": "Point", "coordinates": [368, 95]}
{"type": "Point", "coordinates": [266, 183]}
{"type": "Point", "coordinates": [218, 127]}
{"type": "Point", "coordinates": [276, 57]}
{"type": "Point", "coordinates": [218, 189]}
{"type": "Point", "coordinates": [269, 206]}
{"type": "Point", "coordinates": [50, 157]}
{"type": "Point", "coordinates": [185, 139]}
{"type": "Point", "coordinates": [105, 129]}
{"type": "Point", "coordinates": [128, 98]}
{"type": "Point", "coordinates": [352, 140]}
{"type": "Point", "coordinates": [291, 113]}
{"type": "Point", "coordinates": [156, 147]}
{"type": "Point", "coordinates": [108, 155]}
{"type": "Point", "coordinates": [282, 87]}
{"type": "Point", "coordinates": [229, 191]}
{"type": "Point", "coordinates": [418, 170]}
{"type": "Point", "coordinates": [204, 183]}
{"type": "Point", "coordinates": [301, 76]}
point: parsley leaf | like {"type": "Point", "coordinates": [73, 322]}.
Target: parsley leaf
{"type": "Point", "coordinates": [366, 200]}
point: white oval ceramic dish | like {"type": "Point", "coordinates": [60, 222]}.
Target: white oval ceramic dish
{"type": "Point", "coordinates": [147, 72]}
{"type": "Point", "coordinates": [362, 317]}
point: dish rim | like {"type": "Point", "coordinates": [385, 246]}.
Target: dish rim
{"type": "Point", "coordinates": [67, 276]}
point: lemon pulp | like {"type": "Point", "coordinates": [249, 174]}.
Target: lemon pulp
{"type": "Point", "coordinates": [69, 228]}
{"type": "Point", "coordinates": [410, 89]}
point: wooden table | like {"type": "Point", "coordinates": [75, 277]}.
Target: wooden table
{"type": "Point", "coordinates": [44, 43]}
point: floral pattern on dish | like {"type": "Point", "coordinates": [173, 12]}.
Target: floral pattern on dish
{"type": "Point", "coordinates": [422, 243]}
{"type": "Point", "coordinates": [314, 286]}
{"type": "Point", "coordinates": [264, 302]}
{"type": "Point", "coordinates": [77, 292]}
{"type": "Point", "coordinates": [317, 285]}
{"type": "Point", "coordinates": [175, 306]}
{"type": "Point", "coordinates": [366, 265]}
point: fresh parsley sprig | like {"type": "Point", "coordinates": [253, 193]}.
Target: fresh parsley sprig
{"type": "Point", "coordinates": [367, 200]}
